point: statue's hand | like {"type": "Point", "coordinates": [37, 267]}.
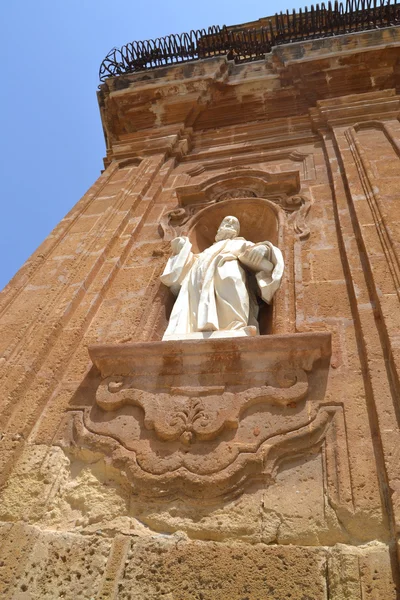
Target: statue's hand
{"type": "Point", "coordinates": [177, 244]}
{"type": "Point", "coordinates": [255, 257]}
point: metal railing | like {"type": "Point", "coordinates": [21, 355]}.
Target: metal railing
{"type": "Point", "coordinates": [246, 44]}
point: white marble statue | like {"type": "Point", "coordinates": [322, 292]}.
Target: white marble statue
{"type": "Point", "coordinates": [214, 292]}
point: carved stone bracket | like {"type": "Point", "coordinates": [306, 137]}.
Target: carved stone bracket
{"type": "Point", "coordinates": [202, 418]}
{"type": "Point", "coordinates": [196, 413]}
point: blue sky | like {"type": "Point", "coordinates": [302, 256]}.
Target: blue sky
{"type": "Point", "coordinates": [52, 143]}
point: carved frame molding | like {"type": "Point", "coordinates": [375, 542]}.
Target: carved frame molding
{"type": "Point", "coordinates": [239, 183]}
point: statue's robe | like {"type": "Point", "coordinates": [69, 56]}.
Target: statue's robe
{"type": "Point", "coordinates": [212, 288]}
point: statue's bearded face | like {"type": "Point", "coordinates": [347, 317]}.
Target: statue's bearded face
{"type": "Point", "coordinates": [228, 229]}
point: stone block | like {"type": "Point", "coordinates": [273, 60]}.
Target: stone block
{"type": "Point", "coordinates": [326, 299]}
{"type": "Point", "coordinates": [183, 570]}
{"type": "Point", "coordinates": [326, 265]}
{"type": "Point", "coordinates": [54, 565]}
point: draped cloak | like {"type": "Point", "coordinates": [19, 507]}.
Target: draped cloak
{"type": "Point", "coordinates": [212, 288]}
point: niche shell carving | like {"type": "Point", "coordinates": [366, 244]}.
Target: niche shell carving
{"type": "Point", "coordinates": [296, 207]}
{"type": "Point", "coordinates": [221, 414]}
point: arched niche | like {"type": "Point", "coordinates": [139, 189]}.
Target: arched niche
{"type": "Point", "coordinates": [260, 220]}
{"type": "Point", "coordinates": [270, 209]}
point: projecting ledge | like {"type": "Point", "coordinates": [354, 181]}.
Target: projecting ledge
{"type": "Point", "coordinates": [218, 358]}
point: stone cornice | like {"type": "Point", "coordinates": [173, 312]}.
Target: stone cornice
{"type": "Point", "coordinates": [357, 108]}
{"type": "Point", "coordinates": [161, 110]}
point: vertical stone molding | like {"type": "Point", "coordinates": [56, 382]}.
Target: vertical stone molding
{"type": "Point", "coordinates": [364, 170]}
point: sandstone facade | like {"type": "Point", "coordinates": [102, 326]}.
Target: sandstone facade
{"type": "Point", "coordinates": [254, 468]}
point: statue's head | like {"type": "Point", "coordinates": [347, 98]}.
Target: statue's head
{"type": "Point", "coordinates": [229, 228]}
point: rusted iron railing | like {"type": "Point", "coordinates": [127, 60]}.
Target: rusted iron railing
{"type": "Point", "coordinates": [245, 44]}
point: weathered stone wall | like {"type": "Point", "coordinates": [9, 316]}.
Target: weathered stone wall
{"type": "Point", "coordinates": [314, 129]}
